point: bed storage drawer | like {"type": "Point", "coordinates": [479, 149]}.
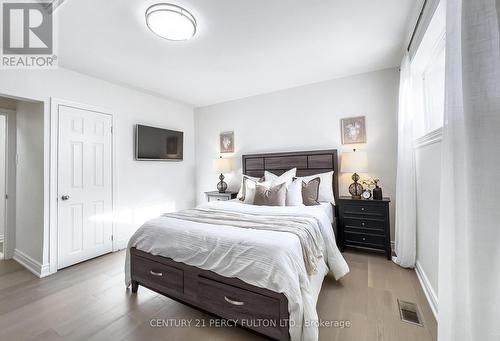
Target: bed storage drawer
{"type": "Point", "coordinates": [157, 275]}
{"type": "Point", "coordinates": [251, 309]}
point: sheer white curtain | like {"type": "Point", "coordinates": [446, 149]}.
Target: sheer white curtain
{"type": "Point", "coordinates": [469, 240]}
{"type": "Point", "coordinates": [406, 211]}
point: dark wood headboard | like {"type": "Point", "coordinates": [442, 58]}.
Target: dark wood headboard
{"type": "Point", "coordinates": [307, 163]}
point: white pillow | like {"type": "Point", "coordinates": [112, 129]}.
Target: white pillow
{"type": "Point", "coordinates": [249, 192]}
{"type": "Point", "coordinates": [275, 180]}
{"type": "Point", "coordinates": [250, 186]}
{"type": "Point", "coordinates": [325, 186]}
{"type": "Point", "coordinates": [241, 193]}
{"type": "Point", "coordinates": [294, 193]}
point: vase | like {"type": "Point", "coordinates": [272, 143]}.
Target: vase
{"type": "Point", "coordinates": [377, 193]}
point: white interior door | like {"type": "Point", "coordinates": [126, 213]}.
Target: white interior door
{"type": "Point", "coordinates": [84, 185]}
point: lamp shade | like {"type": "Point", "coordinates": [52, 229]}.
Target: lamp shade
{"type": "Point", "coordinates": [354, 162]}
{"type": "Point", "coordinates": [222, 165]}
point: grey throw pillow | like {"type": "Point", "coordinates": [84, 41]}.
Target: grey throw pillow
{"type": "Point", "coordinates": [274, 196]}
{"type": "Point", "coordinates": [243, 187]}
{"type": "Point", "coordinates": [310, 192]}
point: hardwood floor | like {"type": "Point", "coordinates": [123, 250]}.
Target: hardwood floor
{"type": "Point", "coordinates": [89, 302]}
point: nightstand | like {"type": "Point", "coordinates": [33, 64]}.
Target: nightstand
{"type": "Point", "coordinates": [365, 224]}
{"type": "Point", "coordinates": [216, 196]}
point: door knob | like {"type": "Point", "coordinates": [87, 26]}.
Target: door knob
{"type": "Point", "coordinates": [65, 197]}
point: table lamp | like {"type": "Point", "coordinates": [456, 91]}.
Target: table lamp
{"type": "Point", "coordinates": [354, 162]}
{"type": "Point", "coordinates": [222, 165]}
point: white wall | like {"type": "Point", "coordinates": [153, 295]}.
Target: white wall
{"type": "Point", "coordinates": [304, 118]}
{"type": "Point", "coordinates": [143, 189]}
{"type": "Point", "coordinates": [30, 179]}
{"type": "Point", "coordinates": [428, 165]}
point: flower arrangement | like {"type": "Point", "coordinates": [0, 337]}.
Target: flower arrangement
{"type": "Point", "coordinates": [371, 182]}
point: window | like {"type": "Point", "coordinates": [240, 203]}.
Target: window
{"type": "Point", "coordinates": [428, 75]}
{"type": "Point", "coordinates": [433, 83]}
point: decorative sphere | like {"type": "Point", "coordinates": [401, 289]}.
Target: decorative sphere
{"type": "Point", "coordinates": [221, 187]}
{"type": "Point", "coordinates": [355, 189]}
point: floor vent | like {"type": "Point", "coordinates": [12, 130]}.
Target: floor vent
{"type": "Point", "coordinates": [409, 313]}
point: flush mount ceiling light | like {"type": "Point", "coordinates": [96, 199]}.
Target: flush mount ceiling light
{"type": "Point", "coordinates": [171, 22]}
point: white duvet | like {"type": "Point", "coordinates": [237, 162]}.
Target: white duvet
{"type": "Point", "coordinates": [263, 258]}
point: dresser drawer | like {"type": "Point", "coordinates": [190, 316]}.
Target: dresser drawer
{"type": "Point", "coordinates": [217, 198]}
{"type": "Point", "coordinates": [364, 239]}
{"type": "Point", "coordinates": [363, 224]}
{"type": "Point", "coordinates": [157, 275]}
{"type": "Point", "coordinates": [364, 209]}
{"type": "Point", "coordinates": [236, 303]}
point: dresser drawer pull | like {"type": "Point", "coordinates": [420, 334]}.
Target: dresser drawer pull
{"type": "Point", "coordinates": [230, 301]}
{"type": "Point", "coordinates": [157, 274]}
{"type": "Point", "coordinates": [362, 224]}
{"type": "Point", "coordinates": [362, 208]}
{"type": "Point", "coordinates": [364, 238]}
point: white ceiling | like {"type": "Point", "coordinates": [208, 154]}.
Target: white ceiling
{"type": "Point", "coordinates": [242, 47]}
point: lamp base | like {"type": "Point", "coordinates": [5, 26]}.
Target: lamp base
{"type": "Point", "coordinates": [222, 186]}
{"type": "Point", "coordinates": [355, 189]}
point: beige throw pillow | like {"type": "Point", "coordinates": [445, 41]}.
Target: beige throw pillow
{"type": "Point", "coordinates": [273, 196]}
{"type": "Point", "coordinates": [310, 192]}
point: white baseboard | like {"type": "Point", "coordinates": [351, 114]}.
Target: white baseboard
{"type": "Point", "coordinates": [429, 292]}
{"type": "Point", "coordinates": [32, 265]}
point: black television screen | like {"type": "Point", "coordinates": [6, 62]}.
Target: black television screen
{"type": "Point", "coordinates": [158, 144]}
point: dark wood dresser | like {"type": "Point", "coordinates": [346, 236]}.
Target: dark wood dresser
{"type": "Point", "coordinates": [365, 224]}
{"type": "Point", "coordinates": [216, 196]}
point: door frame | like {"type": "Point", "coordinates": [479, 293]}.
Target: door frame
{"type": "Point", "coordinates": [54, 174]}
{"type": "Point", "coordinates": [9, 232]}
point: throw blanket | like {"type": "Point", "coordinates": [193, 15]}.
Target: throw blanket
{"type": "Point", "coordinates": [304, 228]}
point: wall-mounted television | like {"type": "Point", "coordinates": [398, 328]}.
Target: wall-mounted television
{"type": "Point", "coordinates": [158, 144]}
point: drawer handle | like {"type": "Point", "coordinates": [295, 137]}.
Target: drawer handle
{"type": "Point", "coordinates": [364, 238]}
{"type": "Point", "coordinates": [230, 301]}
{"type": "Point", "coordinates": [362, 224]}
{"type": "Point", "coordinates": [362, 208]}
{"type": "Point", "coordinates": [157, 274]}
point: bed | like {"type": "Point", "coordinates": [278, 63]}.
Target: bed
{"type": "Point", "coordinates": [257, 278]}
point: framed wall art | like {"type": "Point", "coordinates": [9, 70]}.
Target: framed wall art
{"type": "Point", "coordinates": [353, 130]}
{"type": "Point", "coordinates": [227, 142]}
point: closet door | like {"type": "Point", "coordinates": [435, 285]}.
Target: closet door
{"type": "Point", "coordinates": [84, 185]}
